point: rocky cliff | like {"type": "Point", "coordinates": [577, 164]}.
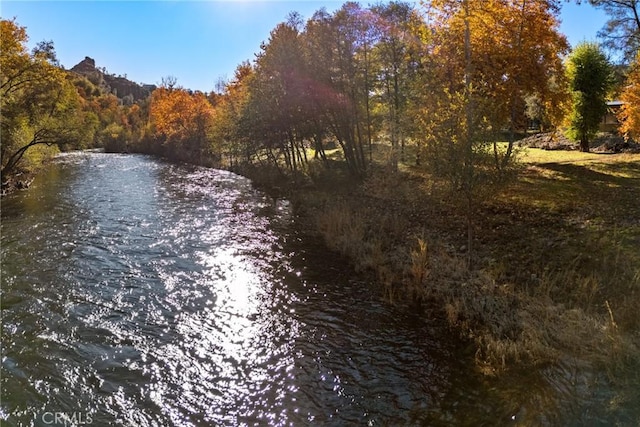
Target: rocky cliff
{"type": "Point", "coordinates": [118, 85]}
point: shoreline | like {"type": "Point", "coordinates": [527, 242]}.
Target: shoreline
{"type": "Point", "coordinates": [398, 228]}
{"type": "Point", "coordinates": [519, 307]}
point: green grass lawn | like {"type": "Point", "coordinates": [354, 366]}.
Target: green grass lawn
{"type": "Point", "coordinates": [539, 156]}
{"type": "Point", "coordinates": [607, 184]}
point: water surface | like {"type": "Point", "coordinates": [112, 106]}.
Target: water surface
{"type": "Point", "coordinates": [141, 293]}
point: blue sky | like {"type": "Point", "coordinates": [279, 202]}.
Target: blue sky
{"type": "Point", "coordinates": [197, 41]}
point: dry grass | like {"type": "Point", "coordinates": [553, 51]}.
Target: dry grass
{"type": "Point", "coordinates": [557, 258]}
{"type": "Point", "coordinates": [556, 281]}
{"type": "Point", "coordinates": [538, 156]}
{"type": "Point", "coordinates": [343, 229]}
{"type": "Point", "coordinates": [419, 269]}
{"type": "Point", "coordinates": [554, 277]}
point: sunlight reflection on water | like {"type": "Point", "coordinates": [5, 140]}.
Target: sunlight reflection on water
{"type": "Point", "coordinates": [150, 294]}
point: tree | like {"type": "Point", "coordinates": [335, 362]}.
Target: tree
{"type": "Point", "coordinates": [366, 32]}
{"type": "Point", "coordinates": [180, 122]}
{"type": "Point", "coordinates": [326, 101]}
{"type": "Point", "coordinates": [346, 106]}
{"type": "Point", "coordinates": [483, 58]}
{"type": "Point", "coordinates": [516, 51]}
{"type": "Point", "coordinates": [589, 74]}
{"type": "Point", "coordinates": [228, 136]}
{"type": "Point", "coordinates": [38, 102]}
{"type": "Point", "coordinates": [277, 106]}
{"type": "Point", "coordinates": [622, 30]}
{"type": "Point", "coordinates": [397, 66]}
{"type": "Point", "coordinates": [630, 113]}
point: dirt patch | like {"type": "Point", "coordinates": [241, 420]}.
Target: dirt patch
{"type": "Point", "coordinates": [614, 144]}
{"type": "Point", "coordinates": [549, 141]}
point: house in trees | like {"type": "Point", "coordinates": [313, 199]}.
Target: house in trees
{"type": "Point", "coordinates": [610, 122]}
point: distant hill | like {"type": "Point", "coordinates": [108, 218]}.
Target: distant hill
{"type": "Point", "coordinates": [118, 85]}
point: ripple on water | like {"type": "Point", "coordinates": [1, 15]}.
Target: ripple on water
{"type": "Point", "coordinates": [151, 294]}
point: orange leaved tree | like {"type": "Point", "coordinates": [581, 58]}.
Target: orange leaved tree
{"type": "Point", "coordinates": [179, 121]}
{"type": "Point", "coordinates": [630, 112]}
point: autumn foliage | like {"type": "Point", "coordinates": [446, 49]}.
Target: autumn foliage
{"type": "Point", "coordinates": [434, 76]}
{"type": "Point", "coordinates": [38, 103]}
{"type": "Point", "coordinates": [630, 113]}
{"type": "Point", "coordinates": [347, 79]}
{"type": "Point", "coordinates": [179, 121]}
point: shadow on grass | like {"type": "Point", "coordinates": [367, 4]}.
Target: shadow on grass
{"type": "Point", "coordinates": [584, 218]}
{"type": "Point", "coordinates": [621, 174]}
{"type": "Point", "coordinates": [602, 191]}
{"type": "Point", "coordinates": [628, 168]}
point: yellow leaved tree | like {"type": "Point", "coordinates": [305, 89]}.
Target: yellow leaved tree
{"type": "Point", "coordinates": [39, 106]}
{"type": "Point", "coordinates": [485, 58]}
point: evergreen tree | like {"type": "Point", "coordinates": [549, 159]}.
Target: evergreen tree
{"type": "Point", "coordinates": [590, 78]}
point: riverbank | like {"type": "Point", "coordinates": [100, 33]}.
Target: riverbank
{"type": "Point", "coordinates": [556, 274]}
{"type": "Point", "coordinates": [556, 252]}
{"type": "Point", "coordinates": [32, 164]}
{"type": "Point", "coordinates": [14, 183]}
{"type": "Point", "coordinates": [557, 256]}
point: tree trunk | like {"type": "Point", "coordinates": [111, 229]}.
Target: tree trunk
{"type": "Point", "coordinates": [17, 156]}
{"type": "Point", "coordinates": [468, 166]}
{"type": "Point", "coordinates": [584, 144]}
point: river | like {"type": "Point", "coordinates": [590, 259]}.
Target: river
{"type": "Point", "coordinates": [140, 293]}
